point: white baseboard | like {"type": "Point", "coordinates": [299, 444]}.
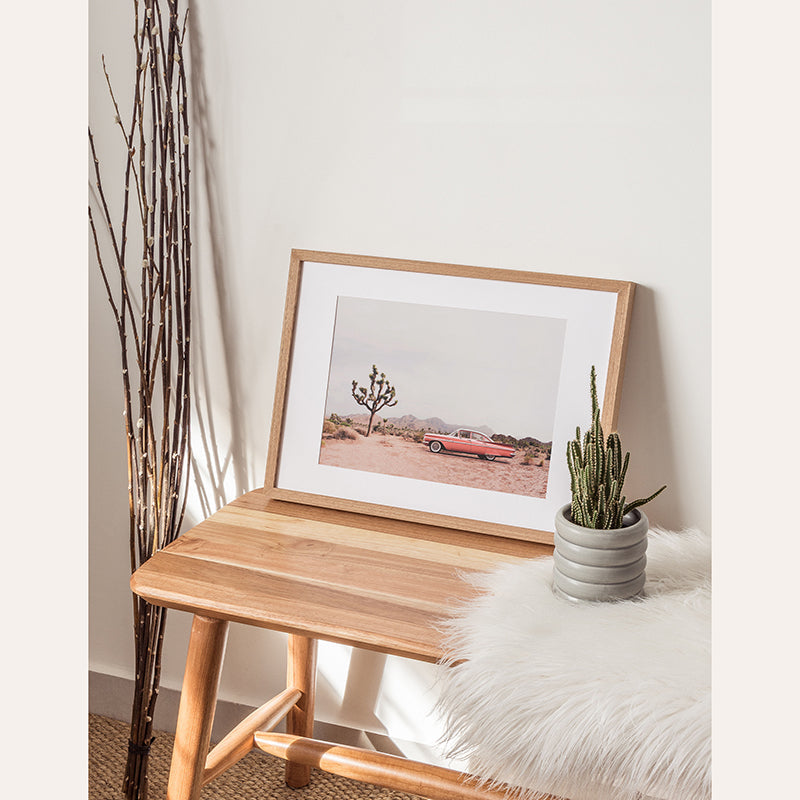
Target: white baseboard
{"type": "Point", "coordinates": [112, 696]}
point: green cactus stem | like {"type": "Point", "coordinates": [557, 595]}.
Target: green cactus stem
{"type": "Point", "coordinates": [597, 473]}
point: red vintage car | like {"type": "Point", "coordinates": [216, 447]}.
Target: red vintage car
{"type": "Point", "coordinates": [465, 440]}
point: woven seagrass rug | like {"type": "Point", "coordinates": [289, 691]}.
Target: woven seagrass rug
{"type": "Point", "coordinates": [257, 776]}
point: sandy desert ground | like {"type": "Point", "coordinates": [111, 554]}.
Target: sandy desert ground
{"type": "Point", "coordinates": [391, 455]}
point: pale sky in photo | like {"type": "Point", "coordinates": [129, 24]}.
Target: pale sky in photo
{"type": "Point", "coordinates": [469, 368]}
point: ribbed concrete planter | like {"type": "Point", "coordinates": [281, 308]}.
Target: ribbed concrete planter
{"type": "Point", "coordinates": [594, 565]}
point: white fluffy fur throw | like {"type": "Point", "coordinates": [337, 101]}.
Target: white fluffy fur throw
{"type": "Point", "coordinates": [607, 701]}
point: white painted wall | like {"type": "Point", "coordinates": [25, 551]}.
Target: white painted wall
{"type": "Point", "coordinates": [568, 137]}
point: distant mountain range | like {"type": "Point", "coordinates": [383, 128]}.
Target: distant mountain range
{"type": "Point", "coordinates": [437, 425]}
{"type": "Point", "coordinates": [413, 423]}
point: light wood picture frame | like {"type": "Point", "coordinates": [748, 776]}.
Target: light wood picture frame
{"type": "Point", "coordinates": [502, 352]}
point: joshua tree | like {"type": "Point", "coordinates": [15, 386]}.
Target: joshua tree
{"type": "Point", "coordinates": [380, 394]}
{"type": "Point", "coordinates": [597, 471]}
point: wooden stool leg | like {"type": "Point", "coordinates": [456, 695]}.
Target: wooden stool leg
{"type": "Point", "coordinates": [301, 674]}
{"type": "Point", "coordinates": [196, 710]}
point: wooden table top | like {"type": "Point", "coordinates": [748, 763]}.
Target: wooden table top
{"type": "Point", "coordinates": [352, 578]}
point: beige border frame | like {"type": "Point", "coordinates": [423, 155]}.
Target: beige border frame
{"type": "Point", "coordinates": [610, 408]}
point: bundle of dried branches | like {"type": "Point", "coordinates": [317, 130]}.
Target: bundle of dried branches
{"type": "Point", "coordinates": [151, 308]}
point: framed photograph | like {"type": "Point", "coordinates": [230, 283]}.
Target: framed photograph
{"type": "Point", "coordinates": [440, 393]}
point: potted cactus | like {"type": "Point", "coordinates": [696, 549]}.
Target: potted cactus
{"type": "Point", "coordinates": [600, 539]}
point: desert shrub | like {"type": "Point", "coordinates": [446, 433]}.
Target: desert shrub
{"type": "Point", "coordinates": [345, 433]}
{"type": "Point", "coordinates": [531, 454]}
{"type": "Point", "coordinates": [328, 427]}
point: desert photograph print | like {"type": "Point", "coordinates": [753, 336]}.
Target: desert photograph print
{"type": "Point", "coordinates": [440, 394]}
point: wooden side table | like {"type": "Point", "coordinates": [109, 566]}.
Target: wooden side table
{"type": "Point", "coordinates": [313, 573]}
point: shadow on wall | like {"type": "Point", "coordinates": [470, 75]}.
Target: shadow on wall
{"type": "Point", "coordinates": [227, 471]}
{"type": "Point", "coordinates": [645, 416]}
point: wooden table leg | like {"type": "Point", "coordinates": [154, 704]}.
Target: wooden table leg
{"type": "Point", "coordinates": [301, 674]}
{"type": "Point", "coordinates": [196, 710]}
